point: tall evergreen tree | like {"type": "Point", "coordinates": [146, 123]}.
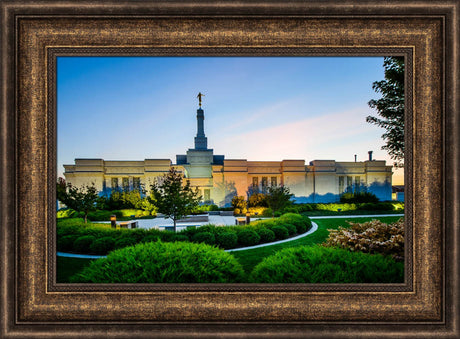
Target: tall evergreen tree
{"type": "Point", "coordinates": [172, 198]}
{"type": "Point", "coordinates": [390, 107]}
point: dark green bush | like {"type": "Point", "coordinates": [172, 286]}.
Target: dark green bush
{"type": "Point", "coordinates": [301, 223]}
{"type": "Point", "coordinates": [227, 240]}
{"type": "Point", "coordinates": [248, 237]}
{"type": "Point", "coordinates": [102, 245]}
{"type": "Point", "coordinates": [150, 238]}
{"type": "Point", "coordinates": [206, 228]}
{"type": "Point", "coordinates": [326, 265]}
{"type": "Point", "coordinates": [159, 262]}
{"type": "Point", "coordinates": [266, 235]}
{"type": "Point", "coordinates": [99, 215]}
{"type": "Point", "coordinates": [65, 243]}
{"type": "Point", "coordinates": [292, 230]}
{"type": "Point", "coordinates": [124, 242]}
{"type": "Point", "coordinates": [291, 209]}
{"type": "Point", "coordinates": [181, 237]}
{"type": "Point", "coordinates": [301, 227]}
{"type": "Point", "coordinates": [204, 237]}
{"type": "Point", "coordinates": [267, 212]}
{"type": "Point", "coordinates": [83, 243]}
{"type": "Point", "coordinates": [280, 232]}
{"type": "Point", "coordinates": [358, 197]}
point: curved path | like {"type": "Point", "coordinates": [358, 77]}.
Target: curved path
{"type": "Point", "coordinates": [313, 228]}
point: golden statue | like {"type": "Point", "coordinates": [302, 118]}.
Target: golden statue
{"type": "Point", "coordinates": [199, 97]}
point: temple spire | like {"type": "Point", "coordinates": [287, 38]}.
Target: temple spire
{"type": "Point", "coordinates": [201, 142]}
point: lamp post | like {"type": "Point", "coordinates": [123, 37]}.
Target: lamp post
{"type": "Point", "coordinates": [113, 221]}
{"type": "Point", "coordinates": [248, 215]}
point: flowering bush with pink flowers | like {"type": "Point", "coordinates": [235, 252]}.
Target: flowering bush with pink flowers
{"type": "Point", "coordinates": [370, 237]}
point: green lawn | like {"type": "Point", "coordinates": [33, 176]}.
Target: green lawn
{"type": "Point", "coordinates": [67, 267]}
{"type": "Point", "coordinates": [250, 258]}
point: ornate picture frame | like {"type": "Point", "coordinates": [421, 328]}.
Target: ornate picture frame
{"type": "Point", "coordinates": [33, 35]}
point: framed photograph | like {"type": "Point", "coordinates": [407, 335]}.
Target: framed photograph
{"type": "Point", "coordinates": [37, 41]}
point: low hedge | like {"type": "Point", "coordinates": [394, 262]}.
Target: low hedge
{"type": "Point", "coordinates": [160, 262]}
{"type": "Point", "coordinates": [344, 207]}
{"type": "Point", "coordinates": [281, 232]}
{"type": "Point", "coordinates": [319, 264]}
{"type": "Point", "coordinates": [248, 237]}
{"type": "Point", "coordinates": [227, 240]}
{"type": "Point", "coordinates": [262, 231]}
{"type": "Point", "coordinates": [266, 235]}
{"type": "Point", "coordinates": [204, 237]}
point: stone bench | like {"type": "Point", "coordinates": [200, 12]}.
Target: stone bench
{"type": "Point", "coordinates": [128, 224]}
{"type": "Point", "coordinates": [195, 218]}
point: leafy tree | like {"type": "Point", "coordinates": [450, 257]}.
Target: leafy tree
{"type": "Point", "coordinates": [257, 200]}
{"type": "Point", "coordinates": [239, 202]}
{"type": "Point", "coordinates": [277, 198]}
{"type": "Point", "coordinates": [391, 108]}
{"type": "Point", "coordinates": [172, 198]}
{"type": "Point", "coordinates": [60, 189]}
{"type": "Point", "coordinates": [80, 199]}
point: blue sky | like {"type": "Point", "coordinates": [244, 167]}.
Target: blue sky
{"type": "Point", "coordinates": [256, 108]}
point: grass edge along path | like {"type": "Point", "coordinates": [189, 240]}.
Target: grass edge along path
{"type": "Point", "coordinates": [250, 258]}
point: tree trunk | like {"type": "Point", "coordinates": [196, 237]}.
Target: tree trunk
{"type": "Point", "coordinates": [174, 220]}
{"type": "Point", "coordinates": [86, 215]}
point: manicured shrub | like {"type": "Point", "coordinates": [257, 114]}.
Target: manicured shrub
{"type": "Point", "coordinates": [124, 242]}
{"type": "Point", "coordinates": [204, 237]}
{"type": "Point", "coordinates": [291, 209]}
{"type": "Point", "coordinates": [160, 262]}
{"type": "Point", "coordinates": [358, 197]}
{"type": "Point", "coordinates": [268, 212]}
{"type": "Point", "coordinates": [248, 237]}
{"type": "Point", "coordinates": [280, 232]}
{"type": "Point", "coordinates": [292, 230]}
{"type": "Point", "coordinates": [266, 235]}
{"type": "Point", "coordinates": [83, 243]}
{"type": "Point", "coordinates": [301, 227]}
{"type": "Point", "coordinates": [99, 215]}
{"type": "Point", "coordinates": [205, 208]}
{"type": "Point", "coordinates": [65, 243]}
{"type": "Point", "coordinates": [118, 213]}
{"type": "Point", "coordinates": [318, 264]}
{"type": "Point", "coordinates": [370, 237]}
{"type": "Point", "coordinates": [227, 240]}
{"type": "Point", "coordinates": [206, 228]}
{"type": "Point", "coordinates": [102, 245]}
{"type": "Point", "coordinates": [181, 237]}
{"type": "Point", "coordinates": [150, 238]}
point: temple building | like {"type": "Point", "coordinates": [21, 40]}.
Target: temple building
{"type": "Point", "coordinates": [220, 179]}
